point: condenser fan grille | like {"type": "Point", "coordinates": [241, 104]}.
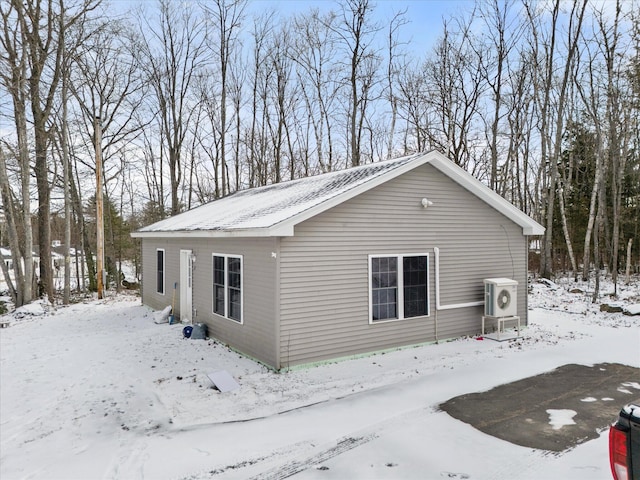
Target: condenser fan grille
{"type": "Point", "coordinates": [504, 299]}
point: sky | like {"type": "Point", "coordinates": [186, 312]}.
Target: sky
{"type": "Point", "coordinates": [425, 16]}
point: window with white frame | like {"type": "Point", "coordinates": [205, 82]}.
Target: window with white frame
{"type": "Point", "coordinates": [227, 286]}
{"type": "Point", "coordinates": [160, 270]}
{"type": "Point", "coordinates": [398, 286]}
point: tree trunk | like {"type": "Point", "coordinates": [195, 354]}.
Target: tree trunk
{"type": "Point", "coordinates": [565, 230]}
{"type": "Point", "coordinates": [14, 241]}
{"type": "Point", "coordinates": [628, 269]}
{"type": "Point", "coordinates": [596, 259]}
{"type": "Point", "coordinates": [592, 213]}
{"type": "Point", "coordinates": [67, 200]}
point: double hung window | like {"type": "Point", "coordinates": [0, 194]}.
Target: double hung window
{"type": "Point", "coordinates": [398, 287]}
{"type": "Point", "coordinates": [227, 286]}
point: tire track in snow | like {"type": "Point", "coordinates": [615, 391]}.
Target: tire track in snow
{"type": "Point", "coordinates": [346, 443]}
{"type": "Point", "coordinates": [529, 463]}
{"type": "Point", "coordinates": [296, 466]}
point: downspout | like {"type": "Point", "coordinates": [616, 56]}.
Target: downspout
{"type": "Point", "coordinates": [436, 254]}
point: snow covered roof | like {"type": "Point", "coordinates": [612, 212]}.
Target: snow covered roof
{"type": "Point", "coordinates": [6, 252]}
{"type": "Point", "coordinates": [274, 210]}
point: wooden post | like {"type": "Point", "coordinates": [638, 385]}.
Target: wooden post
{"type": "Point", "coordinates": [99, 209]}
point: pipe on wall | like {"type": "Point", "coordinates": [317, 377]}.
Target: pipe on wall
{"type": "Point", "coordinates": [436, 254]}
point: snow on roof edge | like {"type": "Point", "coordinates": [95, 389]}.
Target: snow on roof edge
{"type": "Point", "coordinates": [276, 207]}
{"type": "Point", "coordinates": [273, 210]}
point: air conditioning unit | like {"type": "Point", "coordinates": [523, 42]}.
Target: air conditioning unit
{"type": "Point", "coordinates": [500, 297]}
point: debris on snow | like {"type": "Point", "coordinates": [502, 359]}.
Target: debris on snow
{"type": "Point", "coordinates": [550, 284]}
{"type": "Point", "coordinates": [162, 316]}
{"type": "Point", "coordinates": [223, 381]}
{"type": "Point", "coordinates": [611, 307]}
{"type": "Point", "coordinates": [632, 309]}
{"type": "Point", "coordinates": [33, 309]}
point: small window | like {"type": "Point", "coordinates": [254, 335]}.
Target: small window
{"type": "Point", "coordinates": [227, 286]}
{"type": "Point", "coordinates": [160, 271]}
{"type": "Point", "coordinates": [399, 287]}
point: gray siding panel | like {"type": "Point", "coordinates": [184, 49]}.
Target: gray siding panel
{"type": "Point", "coordinates": [324, 267]}
{"type": "Point", "coordinates": [172, 266]}
{"type": "Point", "coordinates": [257, 336]}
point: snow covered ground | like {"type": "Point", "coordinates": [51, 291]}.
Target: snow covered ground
{"type": "Point", "coordinates": [98, 390]}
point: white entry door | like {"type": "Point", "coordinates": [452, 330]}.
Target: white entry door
{"type": "Point", "coordinates": [186, 287]}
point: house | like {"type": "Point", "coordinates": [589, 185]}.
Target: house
{"type": "Point", "coordinates": [7, 258]}
{"type": "Point", "coordinates": [375, 257]}
{"type": "Point", "coordinates": [5, 253]}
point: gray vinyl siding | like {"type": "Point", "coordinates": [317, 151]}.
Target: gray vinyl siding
{"type": "Point", "coordinates": [324, 298]}
{"type": "Point", "coordinates": [257, 335]}
{"type": "Point", "coordinates": [150, 297]}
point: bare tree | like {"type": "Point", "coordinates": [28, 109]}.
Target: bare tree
{"type": "Point", "coordinates": [618, 122]}
{"type": "Point", "coordinates": [14, 75]}
{"type": "Point", "coordinates": [39, 28]}
{"type": "Point", "coordinates": [11, 216]}
{"type": "Point", "coordinates": [173, 51]}
{"type": "Point", "coordinates": [454, 73]}
{"type": "Point", "coordinates": [552, 117]}
{"type": "Point", "coordinates": [317, 76]}
{"type": "Point", "coordinates": [226, 16]}
{"type": "Point", "coordinates": [262, 26]}
{"type": "Point", "coordinates": [356, 31]}
{"type": "Point", "coordinates": [502, 37]}
{"type": "Point", "coordinates": [393, 70]}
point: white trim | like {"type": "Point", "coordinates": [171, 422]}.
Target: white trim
{"type": "Point", "coordinates": [226, 257]}
{"type": "Point", "coordinates": [460, 305]}
{"type": "Point", "coordinates": [276, 231]}
{"type": "Point", "coordinates": [452, 306]}
{"type": "Point", "coordinates": [186, 285]}
{"type": "Point", "coordinates": [399, 286]}
{"type": "Point", "coordinates": [164, 271]}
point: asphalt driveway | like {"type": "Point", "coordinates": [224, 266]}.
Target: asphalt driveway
{"type": "Point", "coordinates": [538, 411]}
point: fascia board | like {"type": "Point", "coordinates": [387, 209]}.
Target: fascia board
{"type": "Point", "coordinates": [469, 182]}
{"type": "Point", "coordinates": [239, 233]}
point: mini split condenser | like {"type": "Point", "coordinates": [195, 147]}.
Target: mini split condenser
{"type": "Point", "coordinates": [500, 297]}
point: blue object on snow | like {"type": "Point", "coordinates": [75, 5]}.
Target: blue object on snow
{"type": "Point", "coordinates": [186, 331]}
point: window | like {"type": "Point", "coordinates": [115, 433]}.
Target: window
{"type": "Point", "coordinates": [399, 287]}
{"type": "Point", "coordinates": [227, 286]}
{"type": "Point", "coordinates": [160, 271]}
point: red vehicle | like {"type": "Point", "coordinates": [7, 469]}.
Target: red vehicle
{"type": "Point", "coordinates": [624, 444]}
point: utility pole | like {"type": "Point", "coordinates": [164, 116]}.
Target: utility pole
{"type": "Point", "coordinates": [99, 209]}
{"type": "Point", "coordinates": [67, 198]}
